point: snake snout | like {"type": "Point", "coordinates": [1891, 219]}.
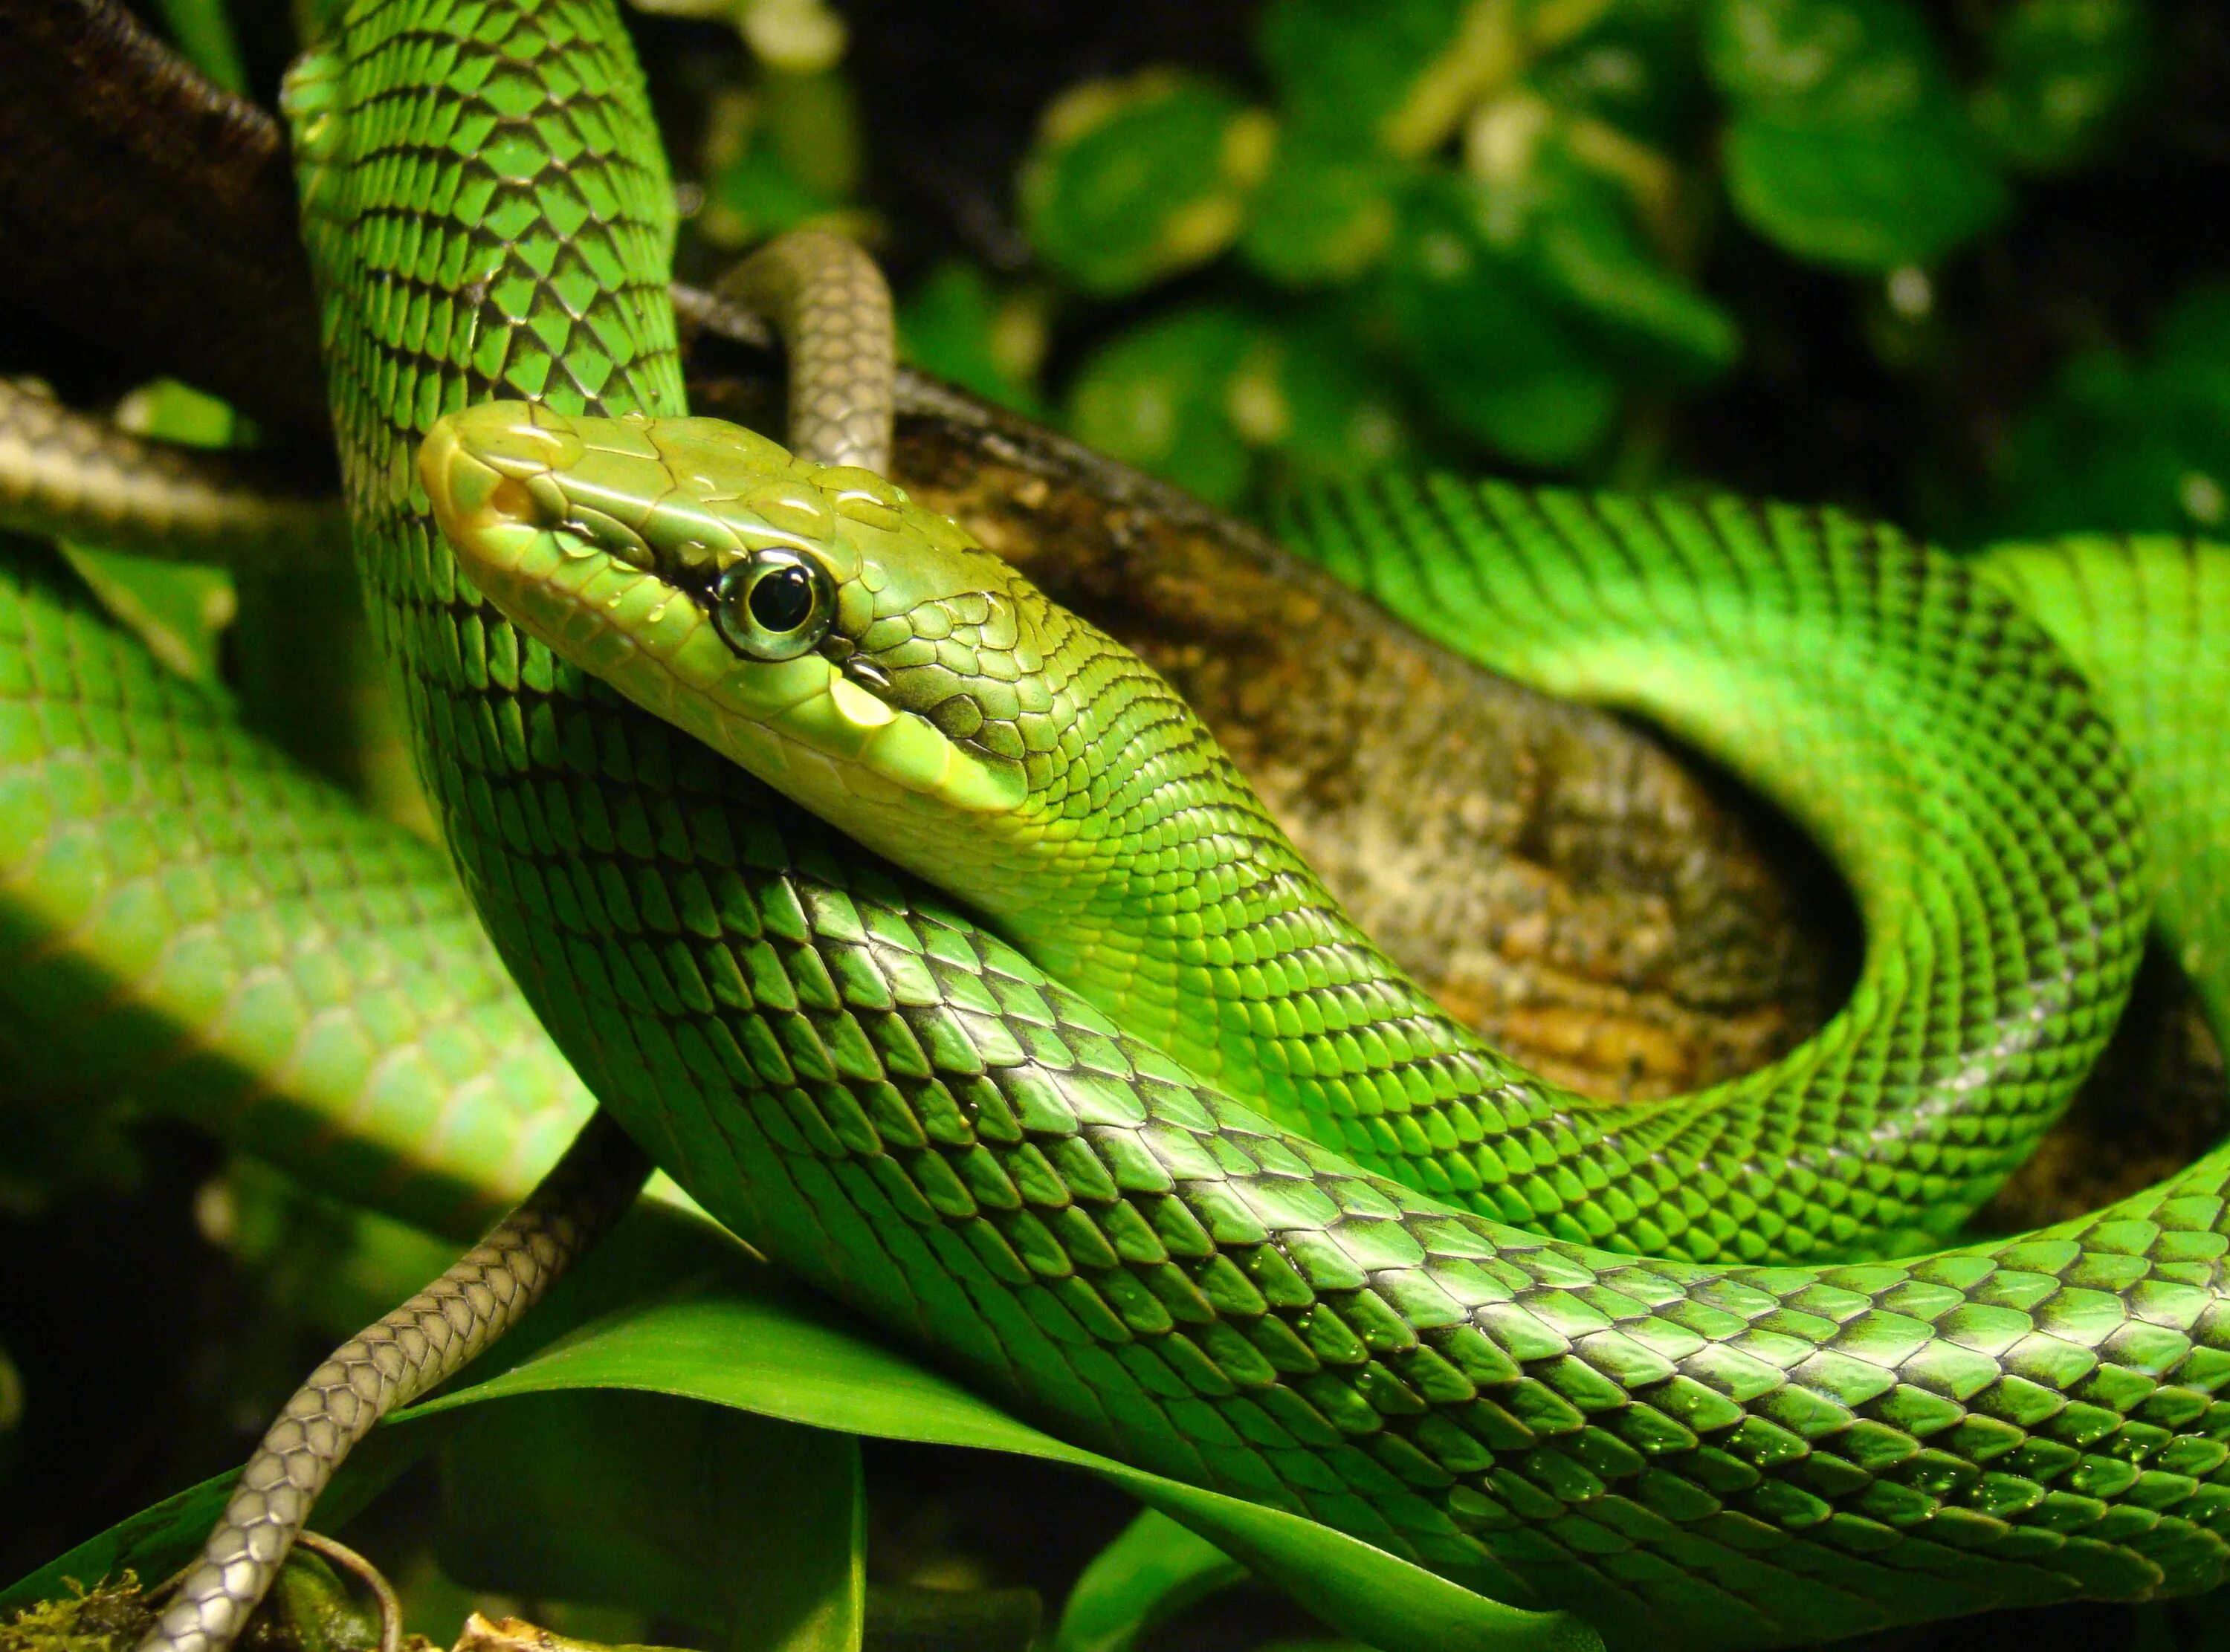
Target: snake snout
{"type": "Point", "coordinates": [488, 472]}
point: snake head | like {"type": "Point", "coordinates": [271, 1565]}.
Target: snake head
{"type": "Point", "coordinates": [857, 652]}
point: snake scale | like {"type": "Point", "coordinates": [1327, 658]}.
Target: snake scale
{"type": "Point", "coordinates": [1712, 1447]}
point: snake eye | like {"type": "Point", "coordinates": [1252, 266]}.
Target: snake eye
{"type": "Point", "coordinates": [776, 605]}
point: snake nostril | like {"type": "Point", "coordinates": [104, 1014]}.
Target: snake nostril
{"type": "Point", "coordinates": [511, 501]}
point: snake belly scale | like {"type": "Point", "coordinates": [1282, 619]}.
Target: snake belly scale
{"type": "Point", "coordinates": [904, 1109]}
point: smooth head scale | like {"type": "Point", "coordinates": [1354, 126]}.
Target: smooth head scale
{"type": "Point", "coordinates": [859, 653]}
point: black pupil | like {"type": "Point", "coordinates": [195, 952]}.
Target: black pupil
{"type": "Point", "coordinates": [783, 599]}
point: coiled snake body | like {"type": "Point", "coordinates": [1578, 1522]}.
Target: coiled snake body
{"type": "Point", "coordinates": [1097, 1196]}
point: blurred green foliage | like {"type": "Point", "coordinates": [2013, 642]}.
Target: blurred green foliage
{"type": "Point", "coordinates": [1519, 235]}
{"type": "Point", "coordinates": [1487, 233]}
{"type": "Point", "coordinates": [2136, 441]}
{"type": "Point", "coordinates": [1490, 214]}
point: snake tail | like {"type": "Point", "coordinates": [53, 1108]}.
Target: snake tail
{"type": "Point", "coordinates": [64, 473]}
{"type": "Point", "coordinates": [832, 308]}
{"type": "Point", "coordinates": [409, 1352]}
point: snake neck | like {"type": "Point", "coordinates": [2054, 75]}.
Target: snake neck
{"type": "Point", "coordinates": [1142, 869]}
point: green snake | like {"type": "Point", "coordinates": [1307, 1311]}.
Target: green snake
{"type": "Point", "coordinates": [1443, 1324]}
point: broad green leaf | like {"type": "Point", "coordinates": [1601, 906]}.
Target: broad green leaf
{"type": "Point", "coordinates": [205, 33]}
{"type": "Point", "coordinates": [812, 123]}
{"type": "Point", "coordinates": [1151, 1571]}
{"type": "Point", "coordinates": [748, 1531]}
{"type": "Point", "coordinates": [1585, 251]}
{"type": "Point", "coordinates": [1847, 144]}
{"type": "Point", "coordinates": [2065, 76]}
{"type": "Point", "coordinates": [1569, 229]}
{"type": "Point", "coordinates": [1313, 395]}
{"type": "Point", "coordinates": [755, 196]}
{"type": "Point", "coordinates": [1343, 68]}
{"type": "Point", "coordinates": [1159, 397]}
{"type": "Point", "coordinates": [176, 609]}
{"type": "Point", "coordinates": [372, 1263]}
{"type": "Point", "coordinates": [955, 326]}
{"type": "Point", "coordinates": [1498, 359]}
{"type": "Point", "coordinates": [780, 1354]}
{"type": "Point", "coordinates": [1399, 77]}
{"type": "Point", "coordinates": [789, 156]}
{"type": "Point", "coordinates": [1133, 180]}
{"type": "Point", "coordinates": [1324, 214]}
{"type": "Point", "coordinates": [1825, 63]}
{"type": "Point", "coordinates": [1638, 68]}
{"type": "Point", "coordinates": [1864, 198]}
{"type": "Point", "coordinates": [2135, 445]}
{"type": "Point", "coordinates": [744, 1343]}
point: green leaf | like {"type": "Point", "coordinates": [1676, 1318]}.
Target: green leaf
{"type": "Point", "coordinates": [1569, 230]}
{"type": "Point", "coordinates": [1847, 144]}
{"type": "Point", "coordinates": [1347, 71]}
{"type": "Point", "coordinates": [779, 1354]}
{"type": "Point", "coordinates": [749, 1532]}
{"type": "Point", "coordinates": [1584, 250]}
{"type": "Point", "coordinates": [955, 326]}
{"type": "Point", "coordinates": [1158, 396]}
{"type": "Point", "coordinates": [205, 33]}
{"type": "Point", "coordinates": [812, 123]}
{"type": "Point", "coordinates": [1312, 394]}
{"type": "Point", "coordinates": [789, 155]}
{"type": "Point", "coordinates": [744, 1344]}
{"type": "Point", "coordinates": [2064, 76]}
{"type": "Point", "coordinates": [1133, 180]}
{"type": "Point", "coordinates": [1324, 213]}
{"type": "Point", "coordinates": [1639, 66]}
{"type": "Point", "coordinates": [1400, 77]}
{"type": "Point", "coordinates": [1148, 1574]}
{"type": "Point", "coordinates": [1497, 358]}
{"type": "Point", "coordinates": [1863, 198]}
{"type": "Point", "coordinates": [176, 609]}
{"type": "Point", "coordinates": [756, 195]}
{"type": "Point", "coordinates": [1824, 62]}
{"type": "Point", "coordinates": [2131, 445]}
